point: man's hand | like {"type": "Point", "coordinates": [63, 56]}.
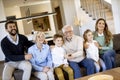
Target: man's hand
{"type": "Point", "coordinates": [28, 56]}
{"type": "Point", "coordinates": [69, 56]}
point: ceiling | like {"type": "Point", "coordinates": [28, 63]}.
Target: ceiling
{"type": "Point", "coordinates": [15, 3]}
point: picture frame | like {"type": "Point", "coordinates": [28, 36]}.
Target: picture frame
{"type": "Point", "coordinates": [42, 23]}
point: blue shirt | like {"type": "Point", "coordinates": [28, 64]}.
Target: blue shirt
{"type": "Point", "coordinates": [40, 58]}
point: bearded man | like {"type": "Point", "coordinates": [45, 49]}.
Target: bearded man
{"type": "Point", "coordinates": [13, 46]}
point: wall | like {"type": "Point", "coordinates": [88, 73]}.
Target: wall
{"type": "Point", "coordinates": [2, 29]}
{"type": "Point", "coordinates": [37, 9]}
{"type": "Point", "coordinates": [23, 27]}
{"type": "Point", "coordinates": [55, 4]}
{"type": "Point", "coordinates": [15, 11]}
{"type": "Point", "coordinates": [109, 1]}
{"type": "Point", "coordinates": [70, 10]}
{"type": "Point", "coordinates": [116, 14]}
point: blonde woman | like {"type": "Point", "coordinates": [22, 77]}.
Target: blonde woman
{"type": "Point", "coordinates": [41, 58]}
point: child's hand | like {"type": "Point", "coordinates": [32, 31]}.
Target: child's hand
{"type": "Point", "coordinates": [65, 65]}
{"type": "Point", "coordinates": [98, 62]}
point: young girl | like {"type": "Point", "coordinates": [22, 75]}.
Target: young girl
{"type": "Point", "coordinates": [59, 61]}
{"type": "Point", "coordinates": [91, 48]}
{"type": "Point", "coordinates": [41, 58]}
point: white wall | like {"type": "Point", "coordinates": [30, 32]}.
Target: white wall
{"type": "Point", "coordinates": [19, 12]}
{"type": "Point", "coordinates": [15, 11]}
{"type": "Point", "coordinates": [37, 9]}
{"type": "Point", "coordinates": [71, 10]}
{"type": "Point", "coordinates": [109, 1]}
{"type": "Point", "coordinates": [2, 29]}
{"type": "Point", "coordinates": [116, 14]}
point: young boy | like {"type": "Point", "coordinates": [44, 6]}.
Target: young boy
{"type": "Point", "coordinates": [59, 61]}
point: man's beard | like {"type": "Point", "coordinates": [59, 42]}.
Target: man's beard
{"type": "Point", "coordinates": [11, 32]}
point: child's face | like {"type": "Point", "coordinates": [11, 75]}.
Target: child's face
{"type": "Point", "coordinates": [58, 42]}
{"type": "Point", "coordinates": [89, 36]}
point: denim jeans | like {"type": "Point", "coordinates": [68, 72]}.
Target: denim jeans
{"type": "Point", "coordinates": [99, 66]}
{"type": "Point", "coordinates": [109, 58]}
{"type": "Point", "coordinates": [87, 63]}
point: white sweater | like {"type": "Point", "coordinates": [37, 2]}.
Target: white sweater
{"type": "Point", "coordinates": [75, 47]}
{"type": "Point", "coordinates": [92, 51]}
{"type": "Point", "coordinates": [58, 56]}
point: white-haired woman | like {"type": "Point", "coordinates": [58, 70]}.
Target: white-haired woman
{"type": "Point", "coordinates": [41, 58]}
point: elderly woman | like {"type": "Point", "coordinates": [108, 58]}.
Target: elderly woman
{"type": "Point", "coordinates": [41, 58]}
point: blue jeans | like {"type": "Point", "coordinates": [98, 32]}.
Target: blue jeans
{"type": "Point", "coordinates": [98, 67]}
{"type": "Point", "coordinates": [87, 63]}
{"type": "Point", "coordinates": [109, 58]}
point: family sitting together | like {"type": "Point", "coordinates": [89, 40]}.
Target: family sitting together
{"type": "Point", "coordinates": [94, 52]}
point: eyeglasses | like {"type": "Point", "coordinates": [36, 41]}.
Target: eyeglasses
{"type": "Point", "coordinates": [68, 32]}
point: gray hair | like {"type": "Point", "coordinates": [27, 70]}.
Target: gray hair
{"type": "Point", "coordinates": [66, 26]}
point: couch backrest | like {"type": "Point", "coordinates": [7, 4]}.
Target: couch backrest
{"type": "Point", "coordinates": [116, 42]}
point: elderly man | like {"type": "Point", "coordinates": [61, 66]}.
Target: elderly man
{"type": "Point", "coordinates": [75, 55]}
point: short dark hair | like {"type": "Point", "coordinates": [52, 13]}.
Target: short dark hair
{"type": "Point", "coordinates": [57, 36]}
{"type": "Point", "coordinates": [10, 22]}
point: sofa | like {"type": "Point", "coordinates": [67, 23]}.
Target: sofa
{"type": "Point", "coordinates": [116, 46]}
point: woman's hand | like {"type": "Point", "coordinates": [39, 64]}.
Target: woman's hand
{"type": "Point", "coordinates": [46, 69]}
{"type": "Point", "coordinates": [97, 45]}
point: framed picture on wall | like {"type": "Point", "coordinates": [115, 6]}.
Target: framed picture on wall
{"type": "Point", "coordinates": [41, 24]}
